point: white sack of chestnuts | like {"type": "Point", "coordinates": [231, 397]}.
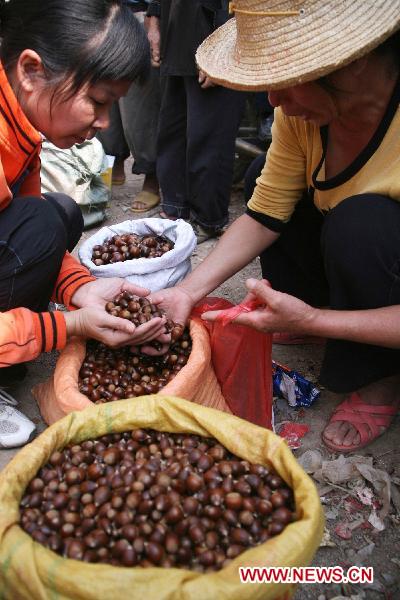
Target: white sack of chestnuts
{"type": "Point", "coordinates": [153, 273]}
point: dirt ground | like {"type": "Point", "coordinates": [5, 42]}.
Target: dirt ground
{"type": "Point", "coordinates": [365, 545]}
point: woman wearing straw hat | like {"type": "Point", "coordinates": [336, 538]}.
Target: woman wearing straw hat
{"type": "Point", "coordinates": [325, 214]}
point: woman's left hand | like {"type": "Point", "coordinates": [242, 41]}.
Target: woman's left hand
{"type": "Point", "coordinates": [279, 313]}
{"type": "Point", "coordinates": [103, 290]}
{"type": "Point", "coordinates": [205, 81]}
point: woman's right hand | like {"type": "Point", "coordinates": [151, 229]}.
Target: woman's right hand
{"type": "Point", "coordinates": [152, 26]}
{"type": "Point", "coordinates": [96, 323]}
{"type": "Point", "coordinates": [176, 302]}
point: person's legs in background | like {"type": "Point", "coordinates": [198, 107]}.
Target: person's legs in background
{"type": "Point", "coordinates": [213, 117]}
{"type": "Point", "coordinates": [171, 148]}
{"type": "Point", "coordinates": [115, 144]}
{"type": "Point", "coordinates": [133, 130]}
{"type": "Point", "coordinates": [139, 114]}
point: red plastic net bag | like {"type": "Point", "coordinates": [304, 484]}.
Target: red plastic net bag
{"type": "Point", "coordinates": [241, 358]}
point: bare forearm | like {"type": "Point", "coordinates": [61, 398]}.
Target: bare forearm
{"type": "Point", "coordinates": [379, 326]}
{"type": "Point", "coordinates": [243, 241]}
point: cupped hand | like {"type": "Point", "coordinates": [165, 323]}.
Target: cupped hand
{"type": "Point", "coordinates": [279, 312]}
{"type": "Point", "coordinates": [103, 290]}
{"type": "Point", "coordinates": [163, 345]}
{"type": "Point", "coordinates": [176, 303]}
{"type": "Point", "coordinates": [95, 323]}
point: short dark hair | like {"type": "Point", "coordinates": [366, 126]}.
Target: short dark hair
{"type": "Point", "coordinates": [82, 40]}
{"type": "Point", "coordinates": [391, 46]}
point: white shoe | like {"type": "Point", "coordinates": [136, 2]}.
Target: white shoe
{"type": "Point", "coordinates": [15, 428]}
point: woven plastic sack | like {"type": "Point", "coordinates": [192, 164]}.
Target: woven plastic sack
{"type": "Point", "coordinates": [241, 358]}
{"type": "Point", "coordinates": [77, 172]}
{"type": "Point", "coordinates": [29, 571]}
{"type": "Point", "coordinates": [197, 382]}
{"type": "Point", "coordinates": [152, 273]}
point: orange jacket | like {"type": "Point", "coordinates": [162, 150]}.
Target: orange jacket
{"type": "Point", "coordinates": [25, 334]}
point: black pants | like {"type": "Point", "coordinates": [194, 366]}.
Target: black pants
{"type": "Point", "coordinates": [34, 236]}
{"type": "Point", "coordinates": [195, 149]}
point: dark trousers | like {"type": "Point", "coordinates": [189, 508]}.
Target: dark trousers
{"type": "Point", "coordinates": [348, 259]}
{"type": "Point", "coordinates": [195, 149]}
{"type": "Point", "coordinates": [34, 236]}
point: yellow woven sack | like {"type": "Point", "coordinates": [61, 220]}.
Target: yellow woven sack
{"type": "Point", "coordinates": [30, 571]}
{"type": "Point", "coordinates": [60, 395]}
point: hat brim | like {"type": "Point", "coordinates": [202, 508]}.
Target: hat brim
{"type": "Point", "coordinates": [299, 61]}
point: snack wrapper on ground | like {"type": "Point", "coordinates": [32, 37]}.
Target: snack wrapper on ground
{"type": "Point", "coordinates": [292, 386]}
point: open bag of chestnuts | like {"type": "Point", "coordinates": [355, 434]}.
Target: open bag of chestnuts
{"type": "Point", "coordinates": [153, 253]}
{"type": "Point", "coordinates": [223, 367]}
{"type": "Point", "coordinates": [87, 372]}
{"type": "Point", "coordinates": [154, 498]}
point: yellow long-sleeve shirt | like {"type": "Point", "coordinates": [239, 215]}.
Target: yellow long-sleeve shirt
{"type": "Point", "coordinates": [296, 162]}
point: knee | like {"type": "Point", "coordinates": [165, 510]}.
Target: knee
{"type": "Point", "coordinates": [361, 224]}
{"type": "Point", "coordinates": [71, 216]}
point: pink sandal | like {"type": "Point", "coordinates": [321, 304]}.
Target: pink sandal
{"type": "Point", "coordinates": [368, 419]}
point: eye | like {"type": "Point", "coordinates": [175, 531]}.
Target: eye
{"type": "Point", "coordinates": [97, 102]}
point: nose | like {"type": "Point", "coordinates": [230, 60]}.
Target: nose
{"type": "Point", "coordinates": [274, 98]}
{"type": "Point", "coordinates": [102, 119]}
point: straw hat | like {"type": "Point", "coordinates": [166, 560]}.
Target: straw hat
{"type": "Point", "coordinates": [273, 44]}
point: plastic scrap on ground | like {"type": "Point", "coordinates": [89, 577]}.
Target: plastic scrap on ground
{"type": "Point", "coordinates": [366, 486]}
{"type": "Point", "coordinates": [292, 386]}
{"type": "Point", "coordinates": [292, 433]}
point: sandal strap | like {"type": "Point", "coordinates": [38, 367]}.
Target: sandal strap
{"type": "Point", "coordinates": [366, 418]}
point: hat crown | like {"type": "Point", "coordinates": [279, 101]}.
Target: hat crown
{"type": "Point", "coordinates": [272, 44]}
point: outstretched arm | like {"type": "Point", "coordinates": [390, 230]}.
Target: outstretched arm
{"type": "Point", "coordinates": [243, 241]}
{"type": "Point", "coordinates": [282, 312]}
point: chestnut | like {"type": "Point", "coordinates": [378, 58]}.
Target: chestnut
{"type": "Point", "coordinates": [150, 498]}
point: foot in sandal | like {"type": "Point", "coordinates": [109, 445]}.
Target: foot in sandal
{"type": "Point", "coordinates": [149, 197]}
{"type": "Point", "coordinates": [118, 172]}
{"type": "Point", "coordinates": [363, 416]}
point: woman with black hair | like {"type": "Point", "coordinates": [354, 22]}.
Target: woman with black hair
{"type": "Point", "coordinates": [62, 66]}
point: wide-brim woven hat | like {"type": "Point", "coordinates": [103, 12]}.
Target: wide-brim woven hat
{"type": "Point", "coordinates": [273, 44]}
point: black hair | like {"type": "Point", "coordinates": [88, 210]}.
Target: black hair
{"type": "Point", "coordinates": [391, 46]}
{"type": "Point", "coordinates": [83, 41]}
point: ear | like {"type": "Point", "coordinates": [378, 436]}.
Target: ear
{"type": "Point", "coordinates": [29, 70]}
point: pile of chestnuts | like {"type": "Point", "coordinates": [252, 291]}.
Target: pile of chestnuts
{"type": "Point", "coordinates": [146, 498]}
{"type": "Point", "coordinates": [139, 311]}
{"type": "Point", "coordinates": [128, 246]}
{"type": "Point", "coordinates": [110, 374]}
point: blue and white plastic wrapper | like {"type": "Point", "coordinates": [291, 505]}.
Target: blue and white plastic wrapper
{"type": "Point", "coordinates": [293, 387]}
